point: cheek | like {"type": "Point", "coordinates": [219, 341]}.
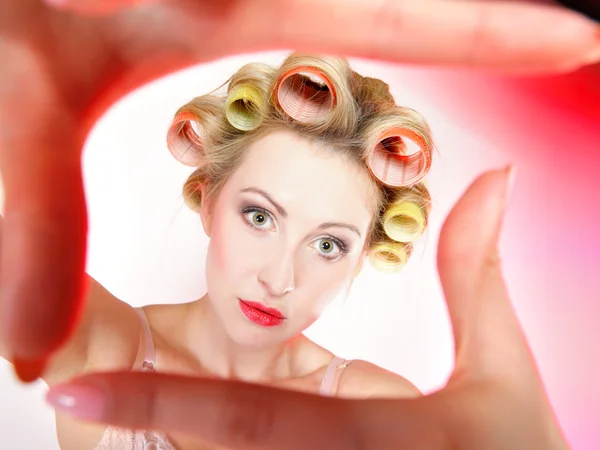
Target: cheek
{"type": "Point", "coordinates": [322, 282]}
{"type": "Point", "coordinates": [230, 252]}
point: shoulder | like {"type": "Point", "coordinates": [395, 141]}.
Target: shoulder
{"type": "Point", "coordinates": [105, 338]}
{"type": "Point", "coordinates": [363, 379]}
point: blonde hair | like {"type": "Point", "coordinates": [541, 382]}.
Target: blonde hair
{"type": "Point", "coordinates": [321, 98]}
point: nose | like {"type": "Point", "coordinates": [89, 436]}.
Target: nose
{"type": "Point", "coordinates": [278, 276]}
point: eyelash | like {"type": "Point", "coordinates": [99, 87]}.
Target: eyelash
{"type": "Point", "coordinates": [341, 244]}
{"type": "Point", "coordinates": [256, 209]}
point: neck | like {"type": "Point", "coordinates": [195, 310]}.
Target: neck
{"type": "Point", "coordinates": [210, 344]}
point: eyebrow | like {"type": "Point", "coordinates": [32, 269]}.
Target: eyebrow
{"type": "Point", "coordinates": [283, 213]}
{"type": "Point", "coordinates": [340, 225]}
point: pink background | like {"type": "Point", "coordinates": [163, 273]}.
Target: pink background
{"type": "Point", "coordinates": [551, 128]}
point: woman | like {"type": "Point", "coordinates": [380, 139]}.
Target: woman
{"type": "Point", "coordinates": [302, 173]}
{"type": "Point", "coordinates": [29, 343]}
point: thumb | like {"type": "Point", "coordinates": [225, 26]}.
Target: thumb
{"type": "Point", "coordinates": [488, 339]}
{"type": "Point", "coordinates": [44, 228]}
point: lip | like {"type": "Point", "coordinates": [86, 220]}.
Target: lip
{"type": "Point", "coordinates": [260, 314]}
{"type": "Point", "coordinates": [272, 311]}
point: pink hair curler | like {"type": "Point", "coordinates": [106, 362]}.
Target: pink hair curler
{"type": "Point", "coordinates": [183, 141]}
{"type": "Point", "coordinates": [305, 94]}
{"type": "Point", "coordinates": [391, 162]}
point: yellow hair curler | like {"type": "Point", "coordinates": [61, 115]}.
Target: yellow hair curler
{"type": "Point", "coordinates": [404, 221]}
{"type": "Point", "coordinates": [389, 257]}
{"type": "Point", "coordinates": [244, 107]}
{"type": "Point", "coordinates": [183, 142]}
{"type": "Point", "coordinates": [192, 190]}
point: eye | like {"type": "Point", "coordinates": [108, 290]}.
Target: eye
{"type": "Point", "coordinates": [330, 248]}
{"type": "Point", "coordinates": [258, 218]}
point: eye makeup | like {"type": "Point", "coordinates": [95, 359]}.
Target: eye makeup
{"type": "Point", "coordinates": [340, 244]}
{"type": "Point", "coordinates": [255, 217]}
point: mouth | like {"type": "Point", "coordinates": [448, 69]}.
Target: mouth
{"type": "Point", "coordinates": [264, 309]}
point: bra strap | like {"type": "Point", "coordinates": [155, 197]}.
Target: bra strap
{"type": "Point", "coordinates": [332, 375]}
{"type": "Point", "coordinates": [149, 352]}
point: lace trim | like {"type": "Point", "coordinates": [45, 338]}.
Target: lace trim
{"type": "Point", "coordinates": [120, 439]}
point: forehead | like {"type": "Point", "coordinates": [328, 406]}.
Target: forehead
{"type": "Point", "coordinates": [307, 177]}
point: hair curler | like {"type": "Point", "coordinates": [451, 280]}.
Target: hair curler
{"type": "Point", "coordinates": [183, 141]}
{"type": "Point", "coordinates": [389, 257]}
{"type": "Point", "coordinates": [404, 221]}
{"type": "Point", "coordinates": [192, 190]}
{"type": "Point", "coordinates": [305, 94]}
{"type": "Point", "coordinates": [244, 107]}
{"type": "Point", "coordinates": [391, 162]}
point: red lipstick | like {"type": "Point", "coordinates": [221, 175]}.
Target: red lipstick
{"type": "Point", "coordinates": [260, 314]}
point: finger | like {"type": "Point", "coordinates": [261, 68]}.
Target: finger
{"type": "Point", "coordinates": [508, 36]}
{"type": "Point", "coordinates": [44, 227]}
{"type": "Point", "coordinates": [488, 338]}
{"type": "Point", "coordinates": [497, 35]}
{"type": "Point", "coordinates": [501, 35]}
{"type": "Point", "coordinates": [246, 416]}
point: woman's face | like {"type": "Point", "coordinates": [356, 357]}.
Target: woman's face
{"type": "Point", "coordinates": [287, 232]}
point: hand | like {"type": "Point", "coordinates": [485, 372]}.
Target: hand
{"type": "Point", "coordinates": [63, 69]}
{"type": "Point", "coordinates": [493, 400]}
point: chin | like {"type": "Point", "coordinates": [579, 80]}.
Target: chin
{"type": "Point", "coordinates": [247, 334]}
{"type": "Point", "coordinates": [250, 336]}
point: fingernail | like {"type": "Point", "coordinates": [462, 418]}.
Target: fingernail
{"type": "Point", "coordinates": [510, 181]}
{"type": "Point", "coordinates": [80, 400]}
{"type": "Point", "coordinates": [56, 3]}
{"type": "Point", "coordinates": [510, 173]}
{"type": "Point", "coordinates": [593, 56]}
{"type": "Point", "coordinates": [28, 370]}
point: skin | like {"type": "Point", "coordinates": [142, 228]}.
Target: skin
{"type": "Point", "coordinates": [109, 50]}
{"type": "Point", "coordinates": [279, 263]}
{"type": "Point", "coordinates": [273, 255]}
